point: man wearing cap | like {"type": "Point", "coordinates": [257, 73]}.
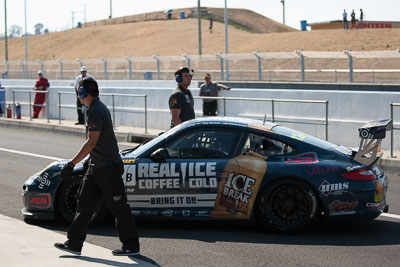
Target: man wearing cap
{"type": "Point", "coordinates": [42, 84]}
{"type": "Point", "coordinates": [181, 100]}
{"type": "Point", "coordinates": [210, 89]}
{"type": "Point", "coordinates": [84, 74]}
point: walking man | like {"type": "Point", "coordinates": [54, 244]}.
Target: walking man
{"type": "Point", "coordinates": [345, 22]}
{"type": "Point", "coordinates": [84, 74]}
{"type": "Point", "coordinates": [102, 178]}
{"type": "Point", "coordinates": [210, 89]}
{"type": "Point", "coordinates": [361, 19]}
{"type": "Point", "coordinates": [181, 100]}
{"type": "Point", "coordinates": [42, 84]}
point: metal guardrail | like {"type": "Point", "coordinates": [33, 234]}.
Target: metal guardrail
{"type": "Point", "coordinates": [114, 109]}
{"type": "Point", "coordinates": [30, 102]}
{"type": "Point", "coordinates": [392, 104]}
{"type": "Point", "coordinates": [273, 101]}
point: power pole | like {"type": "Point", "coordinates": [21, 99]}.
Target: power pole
{"type": "Point", "coordinates": [283, 5]}
{"type": "Point", "coordinates": [73, 19]}
{"type": "Point", "coordinates": [226, 43]}
{"type": "Point", "coordinates": [5, 31]}
{"type": "Point", "coordinates": [199, 22]}
{"type": "Point", "coordinates": [26, 44]}
{"type": "Point", "coordinates": [110, 9]}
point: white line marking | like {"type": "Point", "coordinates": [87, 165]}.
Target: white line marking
{"type": "Point", "coordinates": [28, 154]}
{"type": "Point", "coordinates": [391, 215]}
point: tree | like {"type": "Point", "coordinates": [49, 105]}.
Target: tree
{"type": "Point", "coordinates": [15, 31]}
{"type": "Point", "coordinates": [38, 28]}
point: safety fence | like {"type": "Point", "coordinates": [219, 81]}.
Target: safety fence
{"type": "Point", "coordinates": [125, 106]}
{"type": "Point", "coordinates": [392, 105]}
{"type": "Point", "coordinates": [298, 66]}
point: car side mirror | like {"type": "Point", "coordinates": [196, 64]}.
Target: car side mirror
{"type": "Point", "coordinates": [159, 154]}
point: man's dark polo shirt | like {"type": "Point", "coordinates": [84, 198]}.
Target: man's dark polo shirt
{"type": "Point", "coordinates": [182, 99]}
{"type": "Point", "coordinates": [106, 152]}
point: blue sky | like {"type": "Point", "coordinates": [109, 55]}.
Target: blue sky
{"type": "Point", "coordinates": [57, 14]}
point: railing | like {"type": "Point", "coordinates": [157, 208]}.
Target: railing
{"type": "Point", "coordinates": [30, 102]}
{"type": "Point", "coordinates": [393, 128]}
{"type": "Point", "coordinates": [114, 109]}
{"type": "Point", "coordinates": [246, 66]}
{"type": "Point", "coordinates": [273, 101]}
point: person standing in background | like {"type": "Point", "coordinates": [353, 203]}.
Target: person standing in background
{"type": "Point", "coordinates": [210, 89]}
{"type": "Point", "coordinates": [42, 84]}
{"type": "Point", "coordinates": [353, 20]}
{"type": "Point", "coordinates": [361, 19]}
{"type": "Point", "coordinates": [81, 119]}
{"type": "Point", "coordinates": [345, 22]}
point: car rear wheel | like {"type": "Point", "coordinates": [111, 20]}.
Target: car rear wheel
{"type": "Point", "coordinates": [288, 205]}
{"type": "Point", "coordinates": [67, 197]}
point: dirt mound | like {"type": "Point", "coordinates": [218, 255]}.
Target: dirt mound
{"type": "Point", "coordinates": [179, 36]}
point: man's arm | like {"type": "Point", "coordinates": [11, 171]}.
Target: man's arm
{"type": "Point", "coordinates": [221, 86]}
{"type": "Point", "coordinates": [175, 116]}
{"type": "Point", "coordinates": [93, 137]}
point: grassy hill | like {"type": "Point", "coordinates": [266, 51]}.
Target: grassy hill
{"type": "Point", "coordinates": [154, 35]}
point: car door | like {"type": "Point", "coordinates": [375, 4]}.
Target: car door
{"type": "Point", "coordinates": [181, 177]}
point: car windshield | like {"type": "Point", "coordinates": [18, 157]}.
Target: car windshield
{"type": "Point", "coordinates": [142, 148]}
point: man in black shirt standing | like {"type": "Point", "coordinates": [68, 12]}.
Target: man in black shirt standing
{"type": "Point", "coordinates": [181, 100]}
{"type": "Point", "coordinates": [102, 177]}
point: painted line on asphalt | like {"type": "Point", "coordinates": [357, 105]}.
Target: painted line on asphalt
{"type": "Point", "coordinates": [28, 154]}
{"type": "Point", "coordinates": [391, 215]}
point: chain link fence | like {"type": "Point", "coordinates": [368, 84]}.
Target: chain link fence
{"type": "Point", "coordinates": [298, 66]}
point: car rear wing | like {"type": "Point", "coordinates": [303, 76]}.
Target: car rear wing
{"type": "Point", "coordinates": [371, 135]}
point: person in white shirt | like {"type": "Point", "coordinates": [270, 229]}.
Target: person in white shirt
{"type": "Point", "coordinates": [84, 74]}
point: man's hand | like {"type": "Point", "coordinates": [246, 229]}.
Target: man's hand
{"type": "Point", "coordinates": [66, 171]}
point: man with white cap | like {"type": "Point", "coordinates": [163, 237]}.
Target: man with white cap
{"type": "Point", "coordinates": [84, 74]}
{"type": "Point", "coordinates": [42, 84]}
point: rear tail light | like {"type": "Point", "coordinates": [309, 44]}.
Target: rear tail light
{"type": "Point", "coordinates": [359, 175]}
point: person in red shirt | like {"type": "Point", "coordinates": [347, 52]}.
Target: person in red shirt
{"type": "Point", "coordinates": [41, 85]}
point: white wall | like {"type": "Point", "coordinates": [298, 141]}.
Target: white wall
{"type": "Point", "coordinates": [348, 110]}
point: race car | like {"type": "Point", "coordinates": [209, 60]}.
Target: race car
{"type": "Point", "coordinates": [237, 169]}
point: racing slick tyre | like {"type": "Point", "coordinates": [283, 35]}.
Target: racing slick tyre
{"type": "Point", "coordinates": [67, 196]}
{"type": "Point", "coordinates": [288, 206]}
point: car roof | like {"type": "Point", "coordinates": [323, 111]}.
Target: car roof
{"type": "Point", "coordinates": [232, 121]}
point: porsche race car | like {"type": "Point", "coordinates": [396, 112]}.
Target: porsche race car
{"type": "Point", "coordinates": [234, 168]}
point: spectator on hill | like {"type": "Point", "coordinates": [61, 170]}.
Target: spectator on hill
{"type": "Point", "coordinates": [211, 25]}
{"type": "Point", "coordinates": [84, 74]}
{"type": "Point", "coordinates": [353, 20]}
{"type": "Point", "coordinates": [345, 22]}
{"type": "Point", "coordinates": [361, 19]}
{"type": "Point", "coordinates": [210, 89]}
{"type": "Point", "coordinates": [181, 102]}
{"type": "Point", "coordinates": [41, 85]}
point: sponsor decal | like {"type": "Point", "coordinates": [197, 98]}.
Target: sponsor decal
{"type": "Point", "coordinates": [236, 192]}
{"type": "Point", "coordinates": [185, 213]}
{"type": "Point", "coordinates": [117, 198]}
{"type": "Point", "coordinates": [298, 136]}
{"type": "Point", "coordinates": [153, 176]}
{"type": "Point", "coordinates": [353, 168]}
{"type": "Point", "coordinates": [259, 127]}
{"type": "Point", "coordinates": [202, 213]}
{"type": "Point", "coordinates": [338, 207]}
{"type": "Point", "coordinates": [129, 161]}
{"type": "Point", "coordinates": [164, 201]}
{"type": "Point", "coordinates": [335, 189]}
{"type": "Point", "coordinates": [305, 158]}
{"type": "Point", "coordinates": [41, 201]}
{"type": "Point", "coordinates": [43, 180]}
{"type": "Point", "coordinates": [167, 213]}
{"type": "Point", "coordinates": [375, 206]}
{"type": "Point", "coordinates": [321, 170]}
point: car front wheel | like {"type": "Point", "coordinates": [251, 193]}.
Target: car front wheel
{"type": "Point", "coordinates": [67, 197]}
{"type": "Point", "coordinates": [288, 205]}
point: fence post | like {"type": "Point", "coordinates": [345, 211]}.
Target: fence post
{"type": "Point", "coordinates": [326, 120]}
{"type": "Point", "coordinates": [13, 100]}
{"type": "Point", "coordinates": [30, 105]}
{"type": "Point", "coordinates": [105, 67]}
{"type": "Point", "coordinates": [23, 69]}
{"type": "Point", "coordinates": [391, 130]}
{"type": "Point", "coordinates": [61, 68]}
{"type": "Point", "coordinates": [157, 58]}
{"type": "Point", "coordinates": [348, 53]}
{"type": "Point", "coordinates": [113, 109]}
{"type": "Point", "coordinates": [373, 76]}
{"type": "Point", "coordinates": [80, 61]}
{"type": "Point", "coordinates": [221, 62]}
{"type": "Point", "coordinates": [7, 69]}
{"type": "Point", "coordinates": [257, 54]}
{"type": "Point", "coordinates": [59, 107]}
{"type": "Point", "coordinates": [224, 106]}
{"type": "Point", "coordinates": [300, 54]}
{"type": "Point", "coordinates": [41, 64]}
{"type": "Point", "coordinates": [273, 110]}
{"type": "Point", "coordinates": [145, 113]}
{"type": "Point", "coordinates": [129, 67]}
{"type": "Point", "coordinates": [187, 57]}
{"type": "Point", "coordinates": [47, 106]}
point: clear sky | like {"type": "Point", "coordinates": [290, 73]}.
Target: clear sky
{"type": "Point", "coordinates": [57, 14]}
